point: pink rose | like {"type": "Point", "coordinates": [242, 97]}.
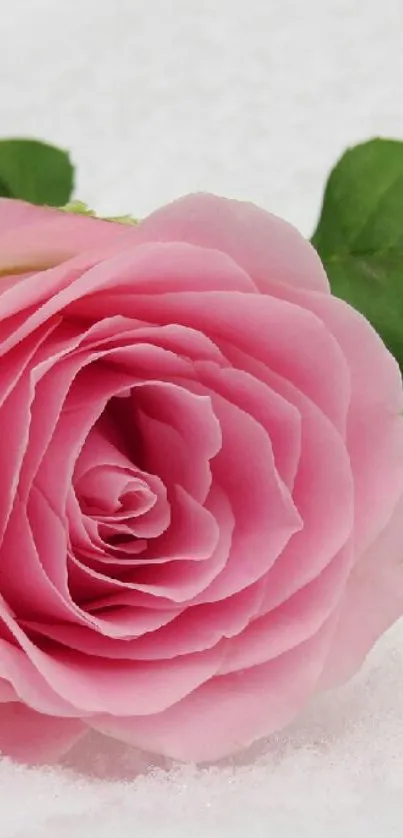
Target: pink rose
{"type": "Point", "coordinates": [201, 479]}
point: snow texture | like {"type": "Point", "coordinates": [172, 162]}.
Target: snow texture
{"type": "Point", "coordinates": [255, 100]}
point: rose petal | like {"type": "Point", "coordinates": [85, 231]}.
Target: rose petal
{"type": "Point", "coordinates": [265, 515]}
{"type": "Point", "coordinates": [375, 423]}
{"type": "Point", "coordinates": [171, 422]}
{"type": "Point", "coordinates": [128, 623]}
{"type": "Point", "coordinates": [16, 214]}
{"type": "Point", "coordinates": [294, 621]}
{"type": "Point", "coordinates": [24, 676]}
{"type": "Point", "coordinates": [171, 583]}
{"type": "Point", "coordinates": [372, 601]}
{"type": "Point", "coordinates": [290, 340]}
{"type": "Point", "coordinates": [30, 737]}
{"type": "Point", "coordinates": [119, 687]}
{"type": "Point", "coordinates": [70, 684]}
{"type": "Point", "coordinates": [324, 496]}
{"type": "Point", "coordinates": [324, 462]}
{"type": "Point", "coordinates": [268, 248]}
{"type": "Point", "coordinates": [7, 692]}
{"type": "Point", "coordinates": [194, 629]}
{"type": "Point", "coordinates": [90, 475]}
{"type": "Point", "coordinates": [25, 583]}
{"type": "Point", "coordinates": [279, 417]}
{"type": "Point", "coordinates": [37, 238]}
{"type": "Point", "coordinates": [173, 265]}
{"type": "Point", "coordinates": [234, 710]}
{"type": "Point", "coordinates": [15, 414]}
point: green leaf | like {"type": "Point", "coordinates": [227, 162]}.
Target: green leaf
{"type": "Point", "coordinates": [35, 171]}
{"type": "Point", "coordinates": [4, 190]}
{"type": "Point", "coordinates": [359, 236]}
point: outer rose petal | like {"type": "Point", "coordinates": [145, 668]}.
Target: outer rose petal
{"type": "Point", "coordinates": [230, 712]}
{"type": "Point", "coordinates": [188, 268]}
{"type": "Point", "coordinates": [268, 248]}
{"type": "Point", "coordinates": [373, 600]}
{"type": "Point", "coordinates": [196, 629]}
{"type": "Point", "coordinates": [295, 620]}
{"type": "Point", "coordinates": [31, 737]}
{"type": "Point", "coordinates": [27, 682]}
{"type": "Point", "coordinates": [286, 338]}
{"type": "Point", "coordinates": [375, 423]}
{"type": "Point", "coordinates": [16, 214]}
{"type": "Point", "coordinates": [36, 238]}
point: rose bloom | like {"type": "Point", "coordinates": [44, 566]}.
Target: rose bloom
{"type": "Point", "coordinates": [201, 479]}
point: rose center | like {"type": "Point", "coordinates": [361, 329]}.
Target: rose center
{"type": "Point", "coordinates": [121, 505]}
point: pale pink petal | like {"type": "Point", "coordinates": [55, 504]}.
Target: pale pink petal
{"type": "Point", "coordinates": [170, 584]}
{"type": "Point", "coordinates": [83, 532]}
{"type": "Point", "coordinates": [69, 683]}
{"type": "Point", "coordinates": [183, 340]}
{"type": "Point", "coordinates": [164, 635]}
{"type": "Point", "coordinates": [172, 422]}
{"type": "Point", "coordinates": [102, 544]}
{"type": "Point", "coordinates": [229, 712]}
{"type": "Point", "coordinates": [375, 421]}
{"type": "Point", "coordinates": [195, 630]}
{"type": "Point", "coordinates": [324, 496]}
{"type": "Point", "coordinates": [101, 488]}
{"type": "Point", "coordinates": [39, 238]}
{"type": "Point", "coordinates": [265, 515]}
{"type": "Point", "coordinates": [52, 387]}
{"type": "Point", "coordinates": [127, 623]}
{"type": "Point", "coordinates": [15, 416]}
{"type": "Point", "coordinates": [7, 691]}
{"type": "Point", "coordinates": [32, 592]}
{"type": "Point", "coordinates": [373, 600]}
{"type": "Point", "coordinates": [20, 358]}
{"type": "Point", "coordinates": [192, 537]}
{"type": "Point", "coordinates": [269, 249]}
{"type": "Point", "coordinates": [33, 738]}
{"type": "Point", "coordinates": [52, 374]}
{"type": "Point", "coordinates": [198, 627]}
{"type": "Point", "coordinates": [92, 685]}
{"type": "Point", "coordinates": [16, 397]}
{"type": "Point", "coordinates": [193, 534]}
{"type": "Point", "coordinates": [16, 214]}
{"type": "Point", "coordinates": [120, 331]}
{"type": "Point", "coordinates": [169, 267]}
{"type": "Point", "coordinates": [81, 409]}
{"type": "Point", "coordinates": [33, 595]}
{"type": "Point", "coordinates": [324, 482]}
{"type": "Point", "coordinates": [104, 475]}
{"type": "Point", "coordinates": [279, 417]}
{"type": "Point", "coordinates": [294, 621]}
{"type": "Point", "coordinates": [24, 676]}
{"type": "Point", "coordinates": [18, 413]}
{"type": "Point", "coordinates": [174, 265]}
{"type": "Point", "coordinates": [290, 340]}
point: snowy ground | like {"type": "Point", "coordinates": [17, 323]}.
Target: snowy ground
{"type": "Point", "coordinates": [156, 98]}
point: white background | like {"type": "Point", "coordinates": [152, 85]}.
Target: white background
{"type": "Point", "coordinates": [256, 100]}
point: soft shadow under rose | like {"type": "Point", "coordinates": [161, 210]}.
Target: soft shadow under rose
{"type": "Point", "coordinates": [201, 480]}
